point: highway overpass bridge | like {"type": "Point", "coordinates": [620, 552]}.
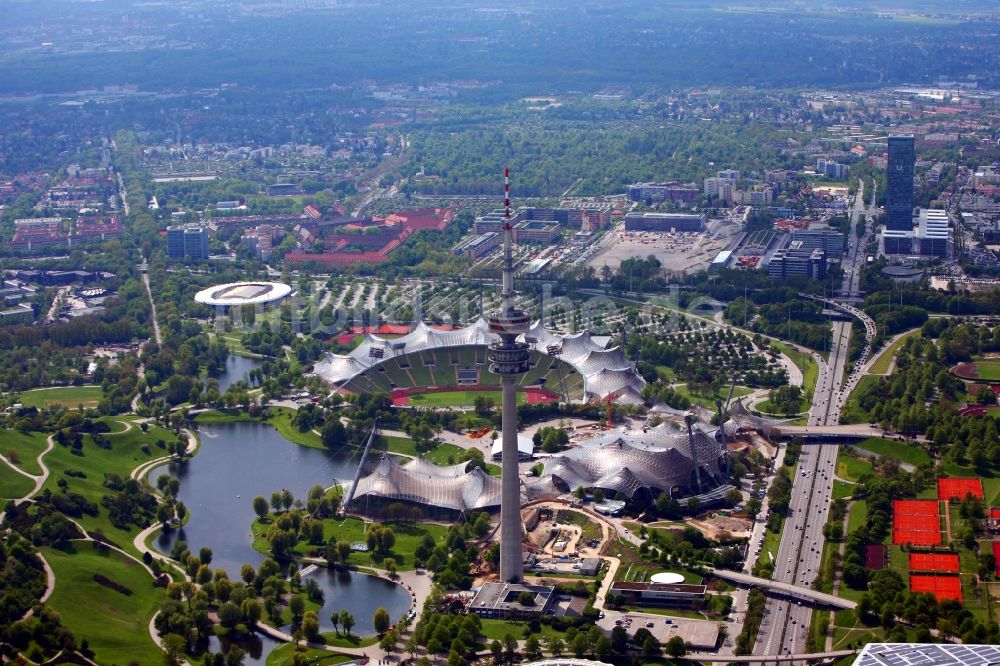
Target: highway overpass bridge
{"type": "Point", "coordinates": [794, 592]}
{"type": "Point", "coordinates": [830, 432]}
{"type": "Point", "coordinates": [768, 659]}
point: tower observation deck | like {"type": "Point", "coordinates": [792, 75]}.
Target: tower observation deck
{"type": "Point", "coordinates": [509, 359]}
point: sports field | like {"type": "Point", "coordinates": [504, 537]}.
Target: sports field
{"type": "Point", "coordinates": [916, 522]}
{"type": "Point", "coordinates": [69, 397]}
{"type": "Point", "coordinates": [940, 562]}
{"type": "Point", "coordinates": [455, 398]}
{"type": "Point", "coordinates": [464, 398]}
{"type": "Point", "coordinates": [988, 371]}
{"type": "Point", "coordinates": [942, 587]}
{"type": "Point", "coordinates": [957, 489]}
{"type": "Point", "coordinates": [985, 370]}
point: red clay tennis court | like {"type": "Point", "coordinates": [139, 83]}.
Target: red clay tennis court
{"type": "Point", "coordinates": [944, 562]}
{"type": "Point", "coordinates": [916, 522]}
{"type": "Point", "coordinates": [875, 556]}
{"type": "Point", "coordinates": [942, 587]}
{"type": "Point", "coordinates": [957, 489]}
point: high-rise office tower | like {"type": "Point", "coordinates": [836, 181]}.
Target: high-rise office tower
{"type": "Point", "coordinates": [899, 182]}
{"type": "Point", "coordinates": [509, 359]}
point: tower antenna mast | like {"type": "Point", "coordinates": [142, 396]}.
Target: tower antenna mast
{"type": "Point", "coordinates": [509, 358]}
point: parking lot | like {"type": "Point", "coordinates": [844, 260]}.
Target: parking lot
{"type": "Point", "coordinates": [700, 634]}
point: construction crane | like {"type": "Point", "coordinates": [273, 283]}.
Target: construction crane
{"type": "Point", "coordinates": [608, 401]}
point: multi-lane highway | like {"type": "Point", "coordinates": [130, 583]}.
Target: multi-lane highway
{"type": "Point", "coordinates": [785, 627]}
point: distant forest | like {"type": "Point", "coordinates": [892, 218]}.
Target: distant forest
{"type": "Point", "coordinates": [528, 48]}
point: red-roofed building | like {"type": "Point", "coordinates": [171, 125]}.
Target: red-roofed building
{"type": "Point", "coordinates": [428, 218]}
{"type": "Point", "coordinates": [97, 228]}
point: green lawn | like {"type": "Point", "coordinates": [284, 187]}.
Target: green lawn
{"type": "Point", "coordinates": [988, 371]}
{"type": "Point", "coordinates": [283, 655]}
{"type": "Point", "coordinates": [851, 469]}
{"type": "Point", "coordinates": [708, 400]}
{"type": "Point", "coordinates": [766, 408]}
{"type": "Point", "coordinates": [69, 397]}
{"type": "Point", "coordinates": [769, 550]}
{"type": "Point", "coordinates": [335, 639]}
{"type": "Point", "coordinates": [124, 455]}
{"type": "Point", "coordinates": [114, 623]}
{"type": "Point", "coordinates": [22, 448]}
{"type": "Point", "coordinates": [498, 629]}
{"type": "Point", "coordinates": [857, 517]}
{"type": "Point", "coordinates": [354, 530]}
{"type": "Point", "coordinates": [902, 451]}
{"type": "Point", "coordinates": [842, 489]}
{"type": "Point", "coordinates": [281, 419]}
{"type": "Point", "coordinates": [217, 416]}
{"type": "Point", "coordinates": [12, 484]}
{"type": "Point", "coordinates": [804, 362]}
{"type": "Point", "coordinates": [458, 398]}
{"type": "Point", "coordinates": [666, 373]}
{"type": "Point", "coordinates": [881, 364]}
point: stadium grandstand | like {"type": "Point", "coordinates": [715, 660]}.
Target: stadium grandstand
{"type": "Point", "coordinates": [573, 366]}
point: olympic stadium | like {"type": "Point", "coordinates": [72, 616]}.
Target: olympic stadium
{"type": "Point", "coordinates": [573, 368]}
{"type": "Point", "coordinates": [243, 293]}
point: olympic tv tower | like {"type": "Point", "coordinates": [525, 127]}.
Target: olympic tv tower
{"type": "Point", "coordinates": [509, 359]}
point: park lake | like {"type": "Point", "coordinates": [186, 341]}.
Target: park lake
{"type": "Point", "coordinates": [236, 462]}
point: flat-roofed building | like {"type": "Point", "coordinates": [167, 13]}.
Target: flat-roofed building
{"type": "Point", "coordinates": [899, 185]}
{"type": "Point", "coordinates": [672, 192]}
{"type": "Point", "coordinates": [477, 246]}
{"type": "Point", "coordinates": [897, 242]}
{"type": "Point", "coordinates": [22, 313]}
{"type": "Point", "coordinates": [665, 222]}
{"type": "Point", "coordinates": [536, 231]}
{"type": "Point", "coordinates": [504, 601]}
{"type": "Point", "coordinates": [832, 242]}
{"type": "Point", "coordinates": [795, 261]}
{"type": "Point", "coordinates": [666, 595]}
{"type": "Point", "coordinates": [187, 241]}
{"type": "Point", "coordinates": [933, 233]}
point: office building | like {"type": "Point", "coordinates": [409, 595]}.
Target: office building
{"type": "Point", "coordinates": [655, 192]}
{"type": "Point", "coordinates": [536, 232]}
{"type": "Point", "coordinates": [896, 241]}
{"type": "Point", "coordinates": [22, 313]}
{"type": "Point", "coordinates": [933, 234]}
{"type": "Point", "coordinates": [832, 242]}
{"type": "Point", "coordinates": [187, 241]}
{"type": "Point", "coordinates": [581, 219]}
{"type": "Point", "coordinates": [478, 246]}
{"type": "Point", "coordinates": [899, 184]}
{"type": "Point", "coordinates": [507, 601]}
{"type": "Point", "coordinates": [731, 175]}
{"type": "Point", "coordinates": [664, 595]}
{"type": "Point", "coordinates": [796, 261]}
{"type": "Point", "coordinates": [665, 222]}
{"type": "Point", "coordinates": [758, 196]}
{"type": "Point", "coordinates": [832, 169]}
